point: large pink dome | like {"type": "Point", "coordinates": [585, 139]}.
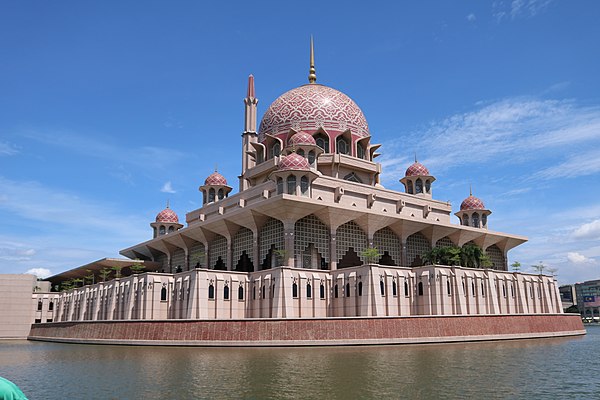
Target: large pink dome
{"type": "Point", "coordinates": [472, 203]}
{"type": "Point", "coordinates": [167, 216]}
{"type": "Point", "coordinates": [417, 169]}
{"type": "Point", "coordinates": [310, 107]}
{"type": "Point", "coordinates": [216, 179]}
{"type": "Point", "coordinates": [293, 161]}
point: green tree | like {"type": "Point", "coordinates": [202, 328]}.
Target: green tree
{"type": "Point", "coordinates": [137, 268]}
{"type": "Point", "coordinates": [539, 268]}
{"type": "Point", "coordinates": [371, 254]}
{"type": "Point", "coordinates": [67, 285]}
{"type": "Point", "coordinates": [281, 256]}
{"type": "Point", "coordinates": [105, 273]}
{"type": "Point", "coordinates": [516, 266]}
{"type": "Point", "coordinates": [117, 270]}
{"type": "Point", "coordinates": [89, 278]}
{"type": "Point", "coordinates": [78, 282]}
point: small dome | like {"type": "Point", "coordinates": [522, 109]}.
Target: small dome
{"type": "Point", "coordinates": [472, 203]}
{"type": "Point", "coordinates": [301, 138]}
{"type": "Point", "coordinates": [216, 179]}
{"type": "Point", "coordinates": [293, 161]}
{"type": "Point", "coordinates": [167, 216]}
{"type": "Point", "coordinates": [417, 169]}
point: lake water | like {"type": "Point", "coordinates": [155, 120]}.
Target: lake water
{"type": "Point", "coordinates": [520, 369]}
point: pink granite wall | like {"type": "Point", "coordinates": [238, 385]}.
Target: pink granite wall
{"type": "Point", "coordinates": [305, 331]}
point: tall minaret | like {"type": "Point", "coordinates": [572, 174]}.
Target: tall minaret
{"type": "Point", "coordinates": [250, 135]}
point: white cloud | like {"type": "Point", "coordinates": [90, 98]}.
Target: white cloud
{"type": "Point", "coordinates": [590, 230]}
{"type": "Point", "coordinates": [583, 164]}
{"type": "Point", "coordinates": [41, 273]}
{"type": "Point", "coordinates": [6, 149]}
{"type": "Point", "coordinates": [167, 188]}
{"type": "Point", "coordinates": [471, 17]}
{"type": "Point", "coordinates": [518, 8]}
{"type": "Point", "coordinates": [577, 258]}
{"type": "Point", "coordinates": [510, 130]}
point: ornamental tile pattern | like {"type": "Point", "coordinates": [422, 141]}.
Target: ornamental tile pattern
{"type": "Point", "coordinates": [216, 179]}
{"type": "Point", "coordinates": [167, 216]}
{"type": "Point", "coordinates": [293, 161]}
{"type": "Point", "coordinates": [310, 107]}
{"type": "Point", "coordinates": [472, 203]}
{"type": "Point", "coordinates": [417, 169]}
{"type": "Point", "coordinates": [301, 138]}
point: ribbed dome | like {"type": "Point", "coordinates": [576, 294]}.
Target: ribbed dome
{"type": "Point", "coordinates": [301, 138]}
{"type": "Point", "coordinates": [216, 179]}
{"type": "Point", "coordinates": [417, 169]}
{"type": "Point", "coordinates": [472, 203]}
{"type": "Point", "coordinates": [293, 161]}
{"type": "Point", "coordinates": [167, 216]}
{"type": "Point", "coordinates": [310, 107]}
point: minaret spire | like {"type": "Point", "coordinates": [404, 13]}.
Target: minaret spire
{"type": "Point", "coordinates": [251, 93]}
{"type": "Point", "coordinates": [250, 134]}
{"type": "Point", "coordinates": [312, 75]}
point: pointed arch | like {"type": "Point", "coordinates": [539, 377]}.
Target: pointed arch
{"type": "Point", "coordinates": [311, 243]}
{"type": "Point", "coordinates": [270, 236]}
{"type": "Point", "coordinates": [242, 245]}
{"type": "Point", "coordinates": [386, 241]}
{"type": "Point", "coordinates": [350, 235]}
{"type": "Point", "coordinates": [416, 245]}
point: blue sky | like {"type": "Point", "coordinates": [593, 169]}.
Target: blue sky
{"type": "Point", "coordinates": [108, 109]}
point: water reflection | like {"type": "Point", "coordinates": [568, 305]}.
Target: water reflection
{"type": "Point", "coordinates": [512, 369]}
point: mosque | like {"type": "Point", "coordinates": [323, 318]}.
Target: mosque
{"type": "Point", "coordinates": [311, 234]}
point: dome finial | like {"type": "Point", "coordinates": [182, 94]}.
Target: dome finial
{"type": "Point", "coordinates": [470, 190]}
{"type": "Point", "coordinates": [167, 203]}
{"type": "Point", "coordinates": [415, 156]}
{"type": "Point", "coordinates": [312, 75]}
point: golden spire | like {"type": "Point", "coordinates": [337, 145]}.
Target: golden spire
{"type": "Point", "coordinates": [312, 75]}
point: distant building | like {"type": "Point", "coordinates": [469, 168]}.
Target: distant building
{"type": "Point", "coordinates": [568, 296]}
{"type": "Point", "coordinates": [588, 299]}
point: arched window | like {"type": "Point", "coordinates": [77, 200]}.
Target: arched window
{"type": "Point", "coordinates": [394, 288]}
{"type": "Point", "coordinates": [409, 187]}
{"type": "Point", "coordinates": [161, 230]}
{"type": "Point", "coordinates": [241, 293]}
{"type": "Point", "coordinates": [482, 290]}
{"type": "Point", "coordinates": [51, 306]}
{"type": "Point", "coordinates": [40, 305]}
{"type": "Point", "coordinates": [405, 288]}
{"type": "Point", "coordinates": [276, 150]}
{"type": "Point", "coordinates": [418, 186]}
{"type": "Point", "coordinates": [448, 287]}
{"type": "Point", "coordinates": [465, 220]}
{"type": "Point", "coordinates": [503, 290]}
{"type": "Point", "coordinates": [420, 289]}
{"type": "Point", "coordinates": [323, 142]}
{"type": "Point", "coordinates": [263, 291]}
{"type": "Point", "coordinates": [171, 229]}
{"type": "Point", "coordinates": [475, 220]}
{"type": "Point", "coordinates": [308, 291]}
{"type": "Point", "coordinates": [360, 151]}
{"type": "Point", "coordinates": [382, 288]}
{"type": "Point", "coordinates": [360, 285]}
{"type": "Point", "coordinates": [211, 291]}
{"type": "Point", "coordinates": [291, 184]}
{"type": "Point", "coordinates": [226, 292]}
{"type": "Point", "coordinates": [253, 292]}
{"type": "Point", "coordinates": [304, 185]}
{"type": "Point", "coordinates": [473, 288]}
{"type": "Point", "coordinates": [279, 185]}
{"type": "Point", "coordinates": [163, 294]}
{"type": "Point", "coordinates": [311, 157]}
{"type": "Point", "coordinates": [211, 195]}
{"type": "Point", "coordinates": [483, 220]}
{"type": "Point", "coordinates": [294, 290]}
{"type": "Point", "coordinates": [221, 194]}
{"type": "Point", "coordinates": [322, 291]}
{"type": "Point", "coordinates": [342, 146]}
{"type": "Point", "coordinates": [335, 291]}
{"type": "Point", "coordinates": [347, 290]}
{"type": "Point", "coordinates": [300, 152]}
{"type": "Point", "coordinates": [427, 186]}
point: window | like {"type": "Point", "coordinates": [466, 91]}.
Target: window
{"type": "Point", "coordinates": [304, 185]}
{"type": "Point", "coordinates": [49, 320]}
{"type": "Point", "coordinates": [241, 293]}
{"type": "Point", "coordinates": [409, 187]}
{"type": "Point", "coordinates": [473, 288]}
{"type": "Point", "coordinates": [161, 230]}
{"type": "Point", "coordinates": [394, 288]}
{"type": "Point", "coordinates": [40, 305]}
{"type": "Point", "coordinates": [263, 291]}
{"type": "Point", "coordinates": [323, 142]}
{"type": "Point", "coordinates": [51, 306]}
{"type": "Point", "coordinates": [300, 152]}
{"type": "Point", "coordinates": [382, 288]}
{"type": "Point", "coordinates": [360, 151]}
{"type": "Point", "coordinates": [427, 186]}
{"type": "Point", "coordinates": [291, 184]}
{"type": "Point", "coordinates": [171, 229]}
{"type": "Point", "coordinates": [360, 288]}
{"type": "Point", "coordinates": [311, 157]}
{"type": "Point", "coordinates": [475, 220]}
{"type": "Point", "coordinates": [419, 186]}
{"type": "Point", "coordinates": [163, 294]}
{"type": "Point", "coordinates": [352, 177]}
{"type": "Point", "coordinates": [448, 287]}
{"type": "Point", "coordinates": [253, 292]}
{"type": "Point", "coordinates": [406, 288]}
{"type": "Point", "coordinates": [504, 290]}
{"type": "Point", "coordinates": [347, 290]}
{"type": "Point", "coordinates": [226, 292]}
{"type": "Point", "coordinates": [512, 290]}
{"type": "Point", "coordinates": [335, 291]}
{"type": "Point", "coordinates": [420, 289]}
{"type": "Point", "coordinates": [465, 220]}
{"type": "Point", "coordinates": [279, 186]}
{"type": "Point", "coordinates": [482, 290]}
{"type": "Point", "coordinates": [308, 291]}
{"type": "Point", "coordinates": [294, 290]}
{"type": "Point", "coordinates": [276, 150]}
{"type": "Point", "coordinates": [211, 291]}
{"type": "Point", "coordinates": [38, 320]}
{"type": "Point", "coordinates": [483, 220]}
{"type": "Point", "coordinates": [342, 146]}
{"type": "Point", "coordinates": [211, 195]}
{"type": "Point", "coordinates": [221, 194]}
{"type": "Point", "coordinates": [322, 291]}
